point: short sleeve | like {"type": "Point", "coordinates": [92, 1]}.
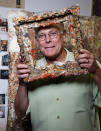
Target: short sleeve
{"type": "Point", "coordinates": [96, 92]}
{"type": "Point", "coordinates": [96, 95]}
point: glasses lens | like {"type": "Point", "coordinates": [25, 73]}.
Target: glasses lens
{"type": "Point", "coordinates": [42, 36]}
{"type": "Point", "coordinates": [52, 35]}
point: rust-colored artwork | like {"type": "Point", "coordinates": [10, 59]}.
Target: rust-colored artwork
{"type": "Point", "coordinates": [91, 34]}
{"type": "Point", "coordinates": [30, 52]}
{"type": "Point", "coordinates": [14, 52]}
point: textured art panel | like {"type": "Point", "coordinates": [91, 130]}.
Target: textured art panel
{"type": "Point", "coordinates": [91, 34]}
{"type": "Point", "coordinates": [30, 52]}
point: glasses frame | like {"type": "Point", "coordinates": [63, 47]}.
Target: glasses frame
{"type": "Point", "coordinates": [52, 35]}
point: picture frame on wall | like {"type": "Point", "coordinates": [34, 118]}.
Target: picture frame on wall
{"type": "Point", "coordinates": [2, 111]}
{"type": "Point", "coordinates": [3, 24]}
{"type": "Point", "coordinates": [5, 60]}
{"type": "Point", "coordinates": [2, 99]}
{"type": "Point", "coordinates": [3, 74]}
{"type": "Point", "coordinates": [96, 8]}
{"type": "Point", "coordinates": [3, 45]}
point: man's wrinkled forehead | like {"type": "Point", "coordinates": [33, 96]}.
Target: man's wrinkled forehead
{"type": "Point", "coordinates": [59, 26]}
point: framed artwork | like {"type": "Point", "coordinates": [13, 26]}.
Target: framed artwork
{"type": "Point", "coordinates": [3, 25]}
{"type": "Point", "coordinates": [3, 29]}
{"type": "Point", "coordinates": [96, 8]}
{"type": "Point", "coordinates": [5, 60]}
{"type": "Point", "coordinates": [2, 99]}
{"type": "Point", "coordinates": [30, 52]}
{"type": "Point", "coordinates": [91, 30]}
{"type": "Point", "coordinates": [2, 111]}
{"type": "Point", "coordinates": [4, 74]}
{"type": "Point", "coordinates": [3, 45]}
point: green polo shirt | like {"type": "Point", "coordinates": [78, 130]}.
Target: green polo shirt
{"type": "Point", "coordinates": [64, 103]}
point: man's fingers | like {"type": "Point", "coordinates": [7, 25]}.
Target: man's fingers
{"type": "Point", "coordinates": [22, 66]}
{"type": "Point", "coordinates": [22, 76]}
{"type": "Point", "coordinates": [83, 61]}
{"type": "Point", "coordinates": [23, 71]}
{"type": "Point", "coordinates": [84, 56]}
{"type": "Point", "coordinates": [84, 51]}
{"type": "Point", "coordinates": [85, 66]}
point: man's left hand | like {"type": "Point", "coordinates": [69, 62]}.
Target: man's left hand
{"type": "Point", "coordinates": [87, 60]}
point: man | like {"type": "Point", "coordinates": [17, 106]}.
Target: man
{"type": "Point", "coordinates": [64, 103]}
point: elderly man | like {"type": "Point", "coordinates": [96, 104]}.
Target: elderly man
{"type": "Point", "coordinates": [64, 103]}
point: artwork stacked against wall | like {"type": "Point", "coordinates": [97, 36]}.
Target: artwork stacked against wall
{"type": "Point", "coordinates": [3, 73]}
{"type": "Point", "coordinates": [91, 34]}
{"type": "Point", "coordinates": [96, 7]}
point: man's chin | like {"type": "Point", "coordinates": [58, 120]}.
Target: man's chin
{"type": "Point", "coordinates": [51, 57]}
{"type": "Point", "coordinates": [49, 54]}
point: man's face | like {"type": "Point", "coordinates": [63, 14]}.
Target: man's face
{"type": "Point", "coordinates": [51, 42]}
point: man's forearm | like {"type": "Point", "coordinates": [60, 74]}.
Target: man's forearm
{"type": "Point", "coordinates": [21, 101]}
{"type": "Point", "coordinates": [97, 77]}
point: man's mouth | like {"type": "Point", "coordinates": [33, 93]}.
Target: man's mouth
{"type": "Point", "coordinates": [49, 47]}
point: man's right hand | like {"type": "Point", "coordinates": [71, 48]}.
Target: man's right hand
{"type": "Point", "coordinates": [22, 71]}
{"type": "Point", "coordinates": [21, 96]}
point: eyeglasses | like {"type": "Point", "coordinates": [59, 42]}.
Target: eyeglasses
{"type": "Point", "coordinates": [51, 34]}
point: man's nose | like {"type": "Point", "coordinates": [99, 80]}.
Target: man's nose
{"type": "Point", "coordinates": [47, 38]}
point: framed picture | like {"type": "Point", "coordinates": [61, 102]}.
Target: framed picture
{"type": "Point", "coordinates": [3, 45]}
{"type": "Point", "coordinates": [2, 111]}
{"type": "Point", "coordinates": [96, 8]}
{"type": "Point", "coordinates": [3, 74]}
{"type": "Point", "coordinates": [3, 29]}
{"type": "Point", "coordinates": [26, 32]}
{"type": "Point", "coordinates": [2, 99]}
{"type": "Point", "coordinates": [3, 25]}
{"type": "Point", "coordinates": [5, 60]}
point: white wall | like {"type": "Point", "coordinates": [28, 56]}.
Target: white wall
{"type": "Point", "coordinates": [43, 5]}
{"type": "Point", "coordinates": [46, 5]}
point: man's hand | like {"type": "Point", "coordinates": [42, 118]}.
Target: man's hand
{"type": "Point", "coordinates": [22, 70]}
{"type": "Point", "coordinates": [21, 96]}
{"type": "Point", "coordinates": [87, 60]}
